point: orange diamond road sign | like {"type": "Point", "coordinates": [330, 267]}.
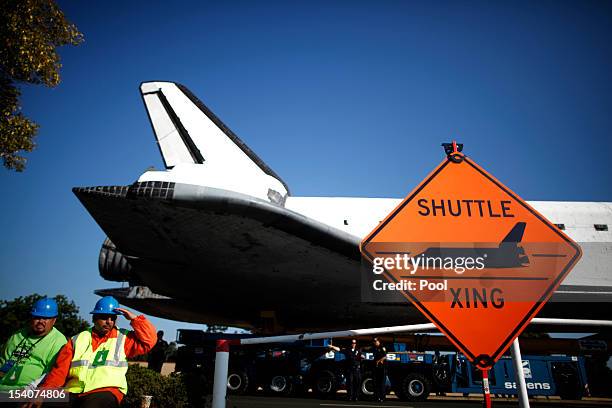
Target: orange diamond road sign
{"type": "Point", "coordinates": [471, 255]}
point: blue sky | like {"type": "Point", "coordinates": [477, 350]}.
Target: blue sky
{"type": "Point", "coordinates": [339, 98]}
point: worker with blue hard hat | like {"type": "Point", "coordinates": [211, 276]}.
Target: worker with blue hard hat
{"type": "Point", "coordinates": [106, 305]}
{"type": "Point", "coordinates": [45, 307]}
{"type": "Point", "coordinates": [31, 352]}
{"type": "Point", "coordinates": [93, 364]}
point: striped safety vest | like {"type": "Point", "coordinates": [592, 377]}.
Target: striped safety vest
{"type": "Point", "coordinates": [106, 367]}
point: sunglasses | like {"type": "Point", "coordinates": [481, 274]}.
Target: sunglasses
{"type": "Point", "coordinates": [105, 317]}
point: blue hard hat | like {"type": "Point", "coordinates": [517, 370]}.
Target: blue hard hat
{"type": "Point", "coordinates": [44, 307]}
{"type": "Point", "coordinates": [106, 305]}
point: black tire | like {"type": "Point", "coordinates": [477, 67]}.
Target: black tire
{"type": "Point", "coordinates": [325, 384]}
{"type": "Point", "coordinates": [279, 385]}
{"type": "Point", "coordinates": [238, 382]}
{"type": "Point", "coordinates": [414, 387]}
{"type": "Point", "coordinates": [366, 388]}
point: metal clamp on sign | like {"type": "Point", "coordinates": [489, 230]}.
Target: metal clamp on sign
{"type": "Point", "coordinates": [453, 151]}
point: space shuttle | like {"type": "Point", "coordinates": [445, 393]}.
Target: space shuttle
{"type": "Point", "coordinates": [218, 238]}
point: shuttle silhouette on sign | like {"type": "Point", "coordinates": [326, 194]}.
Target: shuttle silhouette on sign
{"type": "Point", "coordinates": [509, 254]}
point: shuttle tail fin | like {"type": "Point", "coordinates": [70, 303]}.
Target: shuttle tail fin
{"type": "Point", "coordinates": [187, 131]}
{"type": "Point", "coordinates": [516, 233]}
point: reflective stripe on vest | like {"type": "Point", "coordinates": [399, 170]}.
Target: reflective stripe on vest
{"type": "Point", "coordinates": [90, 370]}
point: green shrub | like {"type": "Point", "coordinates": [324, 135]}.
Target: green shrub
{"type": "Point", "coordinates": [167, 392]}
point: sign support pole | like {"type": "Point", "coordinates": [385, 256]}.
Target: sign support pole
{"type": "Point", "coordinates": [519, 374]}
{"type": "Point", "coordinates": [486, 391]}
{"type": "Point", "coordinates": [485, 388]}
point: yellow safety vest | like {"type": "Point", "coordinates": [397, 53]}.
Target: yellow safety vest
{"type": "Point", "coordinates": [106, 367]}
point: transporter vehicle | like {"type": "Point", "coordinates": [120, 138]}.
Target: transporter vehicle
{"type": "Point", "coordinates": [285, 369]}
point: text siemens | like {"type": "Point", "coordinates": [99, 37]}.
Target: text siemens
{"type": "Point", "coordinates": [530, 386]}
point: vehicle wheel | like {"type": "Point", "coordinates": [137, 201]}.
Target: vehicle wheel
{"type": "Point", "coordinates": [414, 387]}
{"type": "Point", "coordinates": [366, 390]}
{"type": "Point", "coordinates": [237, 382]}
{"type": "Point", "coordinates": [279, 385]}
{"type": "Point", "coordinates": [325, 384]}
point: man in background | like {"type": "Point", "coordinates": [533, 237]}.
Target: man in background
{"type": "Point", "coordinates": [352, 368]}
{"type": "Point", "coordinates": [157, 355]}
{"type": "Point", "coordinates": [380, 370]}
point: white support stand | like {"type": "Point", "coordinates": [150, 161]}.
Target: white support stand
{"type": "Point", "coordinates": [221, 369]}
{"type": "Point", "coordinates": [521, 386]}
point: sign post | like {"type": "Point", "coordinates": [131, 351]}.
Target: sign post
{"type": "Point", "coordinates": [486, 391]}
{"type": "Point", "coordinates": [471, 255]}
